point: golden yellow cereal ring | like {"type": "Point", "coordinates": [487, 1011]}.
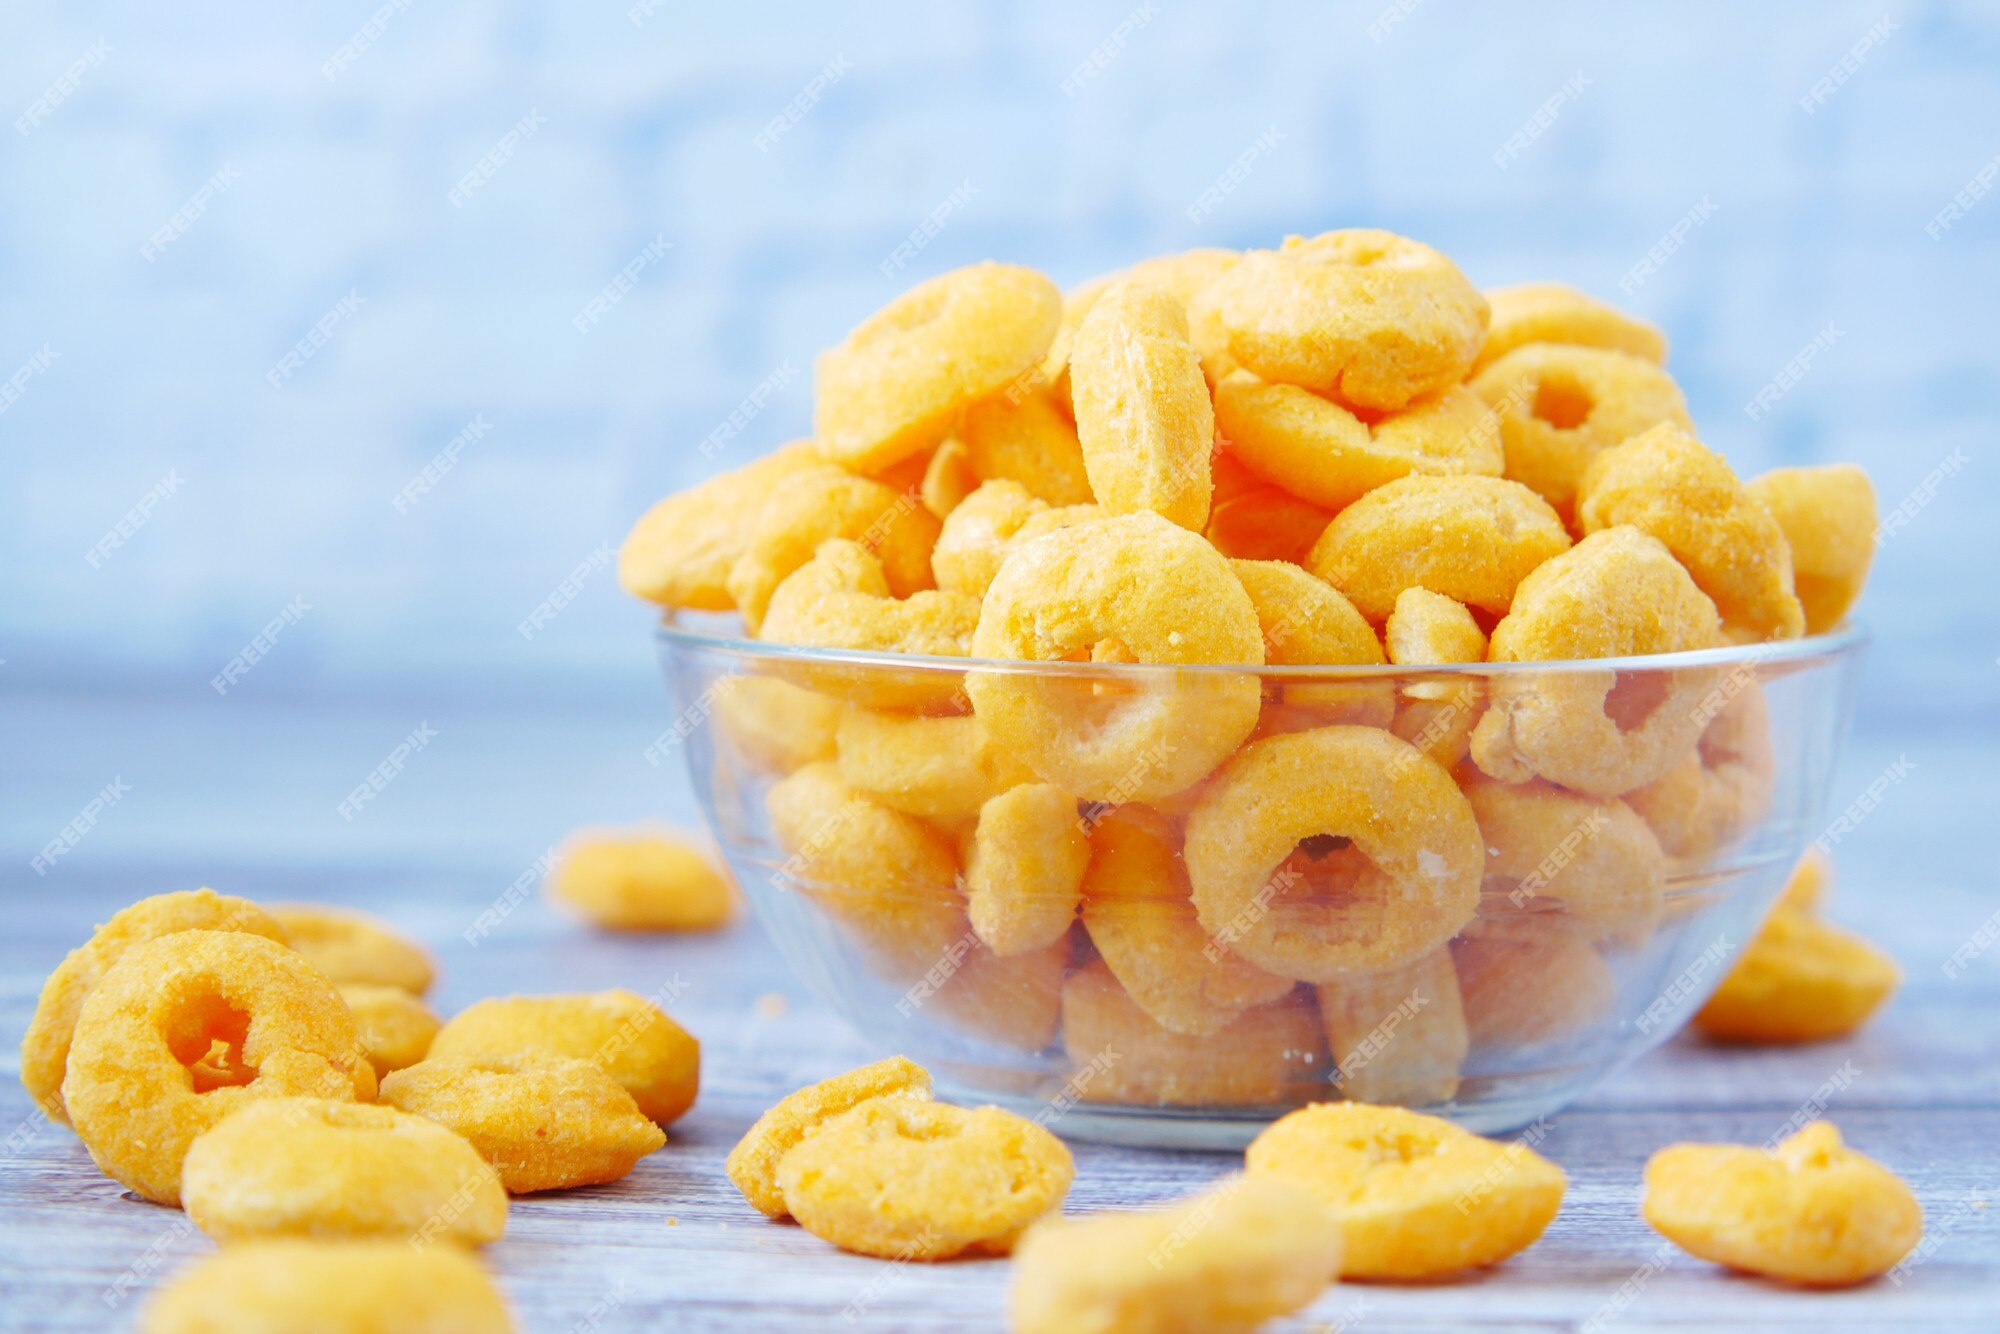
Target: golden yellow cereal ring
{"type": "Point", "coordinates": [1182, 276]}
{"type": "Point", "coordinates": [45, 1047]}
{"type": "Point", "coordinates": [1618, 593]}
{"type": "Point", "coordinates": [1015, 1001]}
{"type": "Point", "coordinates": [186, 1028]}
{"type": "Point", "coordinates": [774, 725]}
{"type": "Point", "coordinates": [1593, 857]}
{"type": "Point", "coordinates": [1372, 318]}
{"type": "Point", "coordinates": [989, 524]}
{"type": "Point", "coordinates": [1667, 483]}
{"type": "Point", "coordinates": [680, 551]}
{"type": "Point", "coordinates": [350, 946]}
{"type": "Point", "coordinates": [1799, 980]}
{"type": "Point", "coordinates": [1415, 1196]}
{"type": "Point", "coordinates": [1250, 519]}
{"type": "Point", "coordinates": [807, 508]}
{"type": "Point", "coordinates": [1427, 629]}
{"type": "Point", "coordinates": [949, 477]}
{"type": "Point", "coordinates": [841, 599]}
{"type": "Point", "coordinates": [1024, 437]}
{"type": "Point", "coordinates": [1271, 1054]}
{"type": "Point", "coordinates": [943, 769]}
{"type": "Point", "coordinates": [1304, 620]}
{"type": "Point", "coordinates": [1025, 871]}
{"type": "Point", "coordinates": [1472, 539]}
{"type": "Point", "coordinates": [1530, 978]}
{"type": "Point", "coordinates": [1810, 1211]}
{"type": "Point", "coordinates": [305, 1167]}
{"type": "Point", "coordinates": [753, 1164]}
{"type": "Point", "coordinates": [1224, 1262]}
{"type": "Point", "coordinates": [643, 880]}
{"type": "Point", "coordinates": [1315, 448]}
{"type": "Point", "coordinates": [1557, 313]}
{"type": "Point", "coordinates": [396, 1028]}
{"type": "Point", "coordinates": [1143, 415]}
{"type": "Point", "coordinates": [653, 1058]}
{"type": "Point", "coordinates": [1166, 597]}
{"type": "Point", "coordinates": [1828, 517]}
{"type": "Point", "coordinates": [1397, 1036]}
{"type": "Point", "coordinates": [1137, 909]}
{"type": "Point", "coordinates": [894, 386]}
{"type": "Point", "coordinates": [1411, 882]}
{"type": "Point", "coordinates": [544, 1122]}
{"type": "Point", "coordinates": [1719, 788]}
{"type": "Point", "coordinates": [911, 1179]}
{"type": "Point", "coordinates": [291, 1286]}
{"type": "Point", "coordinates": [1560, 407]}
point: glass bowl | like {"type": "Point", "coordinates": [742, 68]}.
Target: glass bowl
{"type": "Point", "coordinates": [1297, 883]}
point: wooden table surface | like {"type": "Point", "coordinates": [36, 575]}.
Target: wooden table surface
{"type": "Point", "coordinates": [674, 1246]}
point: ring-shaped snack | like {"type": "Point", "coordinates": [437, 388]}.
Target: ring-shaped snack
{"type": "Point", "coordinates": [681, 550]}
{"type": "Point", "coordinates": [1397, 1036]}
{"type": "Point", "coordinates": [753, 1164]}
{"type": "Point", "coordinates": [1025, 870]}
{"type": "Point", "coordinates": [812, 506]}
{"type": "Point", "coordinates": [1591, 856]}
{"type": "Point", "coordinates": [1167, 598]}
{"type": "Point", "coordinates": [350, 946]}
{"type": "Point", "coordinates": [186, 1028]}
{"type": "Point", "coordinates": [643, 879]}
{"type": "Point", "coordinates": [1025, 437]}
{"type": "Point", "coordinates": [1558, 313]}
{"type": "Point", "coordinates": [943, 769]}
{"type": "Point", "coordinates": [1828, 517]}
{"type": "Point", "coordinates": [1143, 415]}
{"type": "Point", "coordinates": [1409, 879]}
{"type": "Point", "coordinates": [1719, 788]}
{"type": "Point", "coordinates": [329, 1287]}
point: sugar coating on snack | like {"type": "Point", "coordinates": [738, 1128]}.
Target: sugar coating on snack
{"type": "Point", "coordinates": [1143, 415]}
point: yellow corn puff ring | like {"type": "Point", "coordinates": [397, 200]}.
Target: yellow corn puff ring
{"type": "Point", "coordinates": [1025, 870]}
{"type": "Point", "coordinates": [186, 1028]}
{"type": "Point", "coordinates": [1435, 715]}
{"type": "Point", "coordinates": [1166, 597]}
{"type": "Point", "coordinates": [1472, 539]}
{"type": "Point", "coordinates": [1557, 313]}
{"type": "Point", "coordinates": [1667, 483]}
{"type": "Point", "coordinates": [680, 551]}
{"type": "Point", "coordinates": [841, 599]}
{"type": "Point", "coordinates": [350, 946]}
{"type": "Point", "coordinates": [1304, 620]}
{"type": "Point", "coordinates": [306, 1167]}
{"type": "Point", "coordinates": [989, 524]}
{"type": "Point", "coordinates": [1618, 593]}
{"type": "Point", "coordinates": [1015, 1000]}
{"type": "Point", "coordinates": [1722, 786]}
{"type": "Point", "coordinates": [1143, 415]}
{"type": "Point", "coordinates": [1137, 909]}
{"type": "Point", "coordinates": [1410, 881]}
{"type": "Point", "coordinates": [1534, 978]}
{"type": "Point", "coordinates": [1183, 276]}
{"type": "Point", "coordinates": [943, 769]}
{"type": "Point", "coordinates": [1415, 1195]}
{"type": "Point", "coordinates": [775, 726]}
{"type": "Point", "coordinates": [753, 1164]}
{"type": "Point", "coordinates": [1273, 1054]}
{"type": "Point", "coordinates": [807, 508]}
{"type": "Point", "coordinates": [1397, 1036]}
{"type": "Point", "coordinates": [912, 1179]}
{"type": "Point", "coordinates": [894, 386]}
{"type": "Point", "coordinates": [1591, 856]}
{"type": "Point", "coordinates": [45, 1047]}
{"type": "Point", "coordinates": [1799, 980]}
{"type": "Point", "coordinates": [1372, 318]}
{"type": "Point", "coordinates": [642, 880]}
{"type": "Point", "coordinates": [544, 1122]}
{"type": "Point", "coordinates": [1559, 407]}
{"type": "Point", "coordinates": [1809, 1211]}
{"type": "Point", "coordinates": [1828, 517]}
{"type": "Point", "coordinates": [1250, 519]}
{"type": "Point", "coordinates": [1025, 437]}
{"type": "Point", "coordinates": [949, 477]}
{"type": "Point", "coordinates": [396, 1027]}
{"type": "Point", "coordinates": [1223, 1262]}
{"type": "Point", "coordinates": [289, 1285]}
{"type": "Point", "coordinates": [1314, 448]}
{"type": "Point", "coordinates": [653, 1058]}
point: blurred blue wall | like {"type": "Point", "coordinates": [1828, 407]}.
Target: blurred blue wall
{"type": "Point", "coordinates": [187, 193]}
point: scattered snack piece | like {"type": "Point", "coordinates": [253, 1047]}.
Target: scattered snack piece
{"type": "Point", "coordinates": [396, 1028]}
{"type": "Point", "coordinates": [1558, 313]}
{"type": "Point", "coordinates": [1143, 414]}
{"type": "Point", "coordinates": [544, 1122]}
{"type": "Point", "coordinates": [329, 1287]}
{"type": "Point", "coordinates": [753, 1163]}
{"type": "Point", "coordinates": [1828, 517]}
{"type": "Point", "coordinates": [351, 946]}
{"type": "Point", "coordinates": [912, 1179]}
{"type": "Point", "coordinates": [1025, 872]}
{"type": "Point", "coordinates": [680, 551]}
{"type": "Point", "coordinates": [45, 1047]}
{"type": "Point", "coordinates": [188, 1027]}
{"type": "Point", "coordinates": [305, 1167]}
{"type": "Point", "coordinates": [1810, 1211]}
{"type": "Point", "coordinates": [626, 1035]}
{"type": "Point", "coordinates": [1415, 1196]}
{"type": "Point", "coordinates": [1223, 1262]}
{"type": "Point", "coordinates": [1799, 980]}
{"type": "Point", "coordinates": [644, 880]}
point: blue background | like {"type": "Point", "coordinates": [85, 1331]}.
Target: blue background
{"type": "Point", "coordinates": [649, 123]}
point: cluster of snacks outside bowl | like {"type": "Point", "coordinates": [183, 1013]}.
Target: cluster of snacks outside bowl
{"type": "Point", "coordinates": [1261, 678]}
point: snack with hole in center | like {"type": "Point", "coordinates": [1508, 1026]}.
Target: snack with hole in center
{"type": "Point", "coordinates": [292, 1286]}
{"type": "Point", "coordinates": [184, 1029]}
{"type": "Point", "coordinates": [1828, 518]}
{"type": "Point", "coordinates": [806, 509]}
{"type": "Point", "coordinates": [396, 1028]}
{"type": "Point", "coordinates": [1025, 871]}
{"type": "Point", "coordinates": [1557, 313]}
{"type": "Point", "coordinates": [350, 946]}
{"type": "Point", "coordinates": [839, 599]}
{"type": "Point", "coordinates": [1143, 415]}
{"type": "Point", "coordinates": [1809, 1210]}
{"type": "Point", "coordinates": [681, 550]}
{"type": "Point", "coordinates": [306, 1167]}
{"type": "Point", "coordinates": [643, 880]}
{"type": "Point", "coordinates": [1416, 1196]}
{"type": "Point", "coordinates": [753, 1164]}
